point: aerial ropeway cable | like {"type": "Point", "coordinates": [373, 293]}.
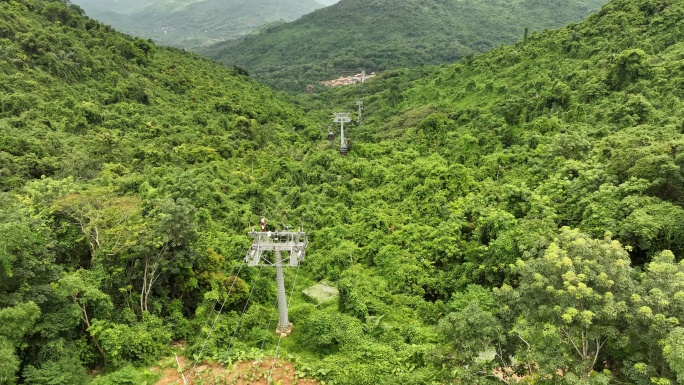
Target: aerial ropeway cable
{"type": "Point", "coordinates": [244, 309]}
{"type": "Point", "coordinates": [218, 313]}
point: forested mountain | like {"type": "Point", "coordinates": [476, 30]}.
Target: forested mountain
{"type": "Point", "coordinates": [516, 215]}
{"type": "Point", "coordinates": [376, 35]}
{"type": "Point", "coordinates": [549, 171]}
{"type": "Point", "coordinates": [194, 23]}
{"type": "Point", "coordinates": [83, 109]}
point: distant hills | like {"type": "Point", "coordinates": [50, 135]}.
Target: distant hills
{"type": "Point", "coordinates": [381, 34]}
{"type": "Point", "coordinates": [98, 7]}
{"type": "Point", "coordinates": [191, 23]}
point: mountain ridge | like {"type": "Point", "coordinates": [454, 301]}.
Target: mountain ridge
{"type": "Point", "coordinates": [193, 23]}
{"type": "Point", "coordinates": [378, 35]}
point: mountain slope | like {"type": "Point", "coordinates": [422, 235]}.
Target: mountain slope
{"type": "Point", "coordinates": [193, 23]}
{"type": "Point", "coordinates": [491, 160]}
{"type": "Point", "coordinates": [83, 108]}
{"type": "Point", "coordinates": [581, 100]}
{"type": "Point", "coordinates": [381, 34]}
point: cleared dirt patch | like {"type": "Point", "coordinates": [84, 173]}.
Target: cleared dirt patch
{"type": "Point", "coordinates": [240, 373]}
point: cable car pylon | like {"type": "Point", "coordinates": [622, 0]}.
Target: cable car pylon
{"type": "Point", "coordinates": [342, 118]}
{"type": "Point", "coordinates": [267, 250]}
{"type": "Point", "coordinates": [359, 104]}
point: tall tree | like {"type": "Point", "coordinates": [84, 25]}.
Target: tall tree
{"type": "Point", "coordinates": [568, 305]}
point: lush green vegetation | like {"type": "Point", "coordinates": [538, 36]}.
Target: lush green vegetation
{"type": "Point", "coordinates": [127, 183]}
{"type": "Point", "coordinates": [378, 35]}
{"type": "Point", "coordinates": [518, 212]}
{"type": "Point", "coordinates": [193, 23]}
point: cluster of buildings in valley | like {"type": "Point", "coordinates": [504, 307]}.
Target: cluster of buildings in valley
{"type": "Point", "coordinates": [347, 80]}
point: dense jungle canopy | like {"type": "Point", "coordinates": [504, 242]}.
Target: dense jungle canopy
{"type": "Point", "coordinates": [514, 215]}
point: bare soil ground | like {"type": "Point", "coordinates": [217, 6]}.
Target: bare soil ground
{"type": "Point", "coordinates": [241, 373]}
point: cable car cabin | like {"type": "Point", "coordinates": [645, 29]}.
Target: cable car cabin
{"type": "Point", "coordinates": [267, 243]}
{"type": "Point", "coordinates": [331, 136]}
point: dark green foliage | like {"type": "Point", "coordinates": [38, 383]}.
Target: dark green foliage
{"type": "Point", "coordinates": [328, 331]}
{"type": "Point", "coordinates": [67, 370]}
{"type": "Point", "coordinates": [141, 342]}
{"type": "Point", "coordinates": [127, 375]}
{"type": "Point", "coordinates": [15, 323]}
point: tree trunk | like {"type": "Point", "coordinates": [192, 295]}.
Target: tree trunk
{"type": "Point", "coordinates": [87, 322]}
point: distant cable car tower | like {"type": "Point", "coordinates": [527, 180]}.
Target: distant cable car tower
{"type": "Point", "coordinates": [266, 250]}
{"type": "Point", "coordinates": [342, 118]}
{"type": "Point", "coordinates": [359, 104]}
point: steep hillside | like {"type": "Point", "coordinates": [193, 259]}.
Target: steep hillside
{"type": "Point", "coordinates": [112, 153]}
{"type": "Point", "coordinates": [477, 172]}
{"type": "Point", "coordinates": [381, 34]}
{"type": "Point", "coordinates": [193, 23]}
{"type": "Point", "coordinates": [514, 215]}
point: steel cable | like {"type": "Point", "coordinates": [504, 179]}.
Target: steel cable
{"type": "Point", "coordinates": [219, 312]}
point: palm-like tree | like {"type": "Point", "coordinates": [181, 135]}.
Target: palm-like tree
{"type": "Point", "coordinates": [62, 64]}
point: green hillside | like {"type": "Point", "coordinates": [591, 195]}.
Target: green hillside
{"type": "Point", "coordinates": [194, 23]}
{"type": "Point", "coordinates": [540, 170]}
{"type": "Point", "coordinates": [120, 165]}
{"type": "Point", "coordinates": [516, 214]}
{"type": "Point", "coordinates": [377, 35]}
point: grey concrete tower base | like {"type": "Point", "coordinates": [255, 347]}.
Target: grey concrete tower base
{"type": "Point", "coordinates": [284, 325]}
